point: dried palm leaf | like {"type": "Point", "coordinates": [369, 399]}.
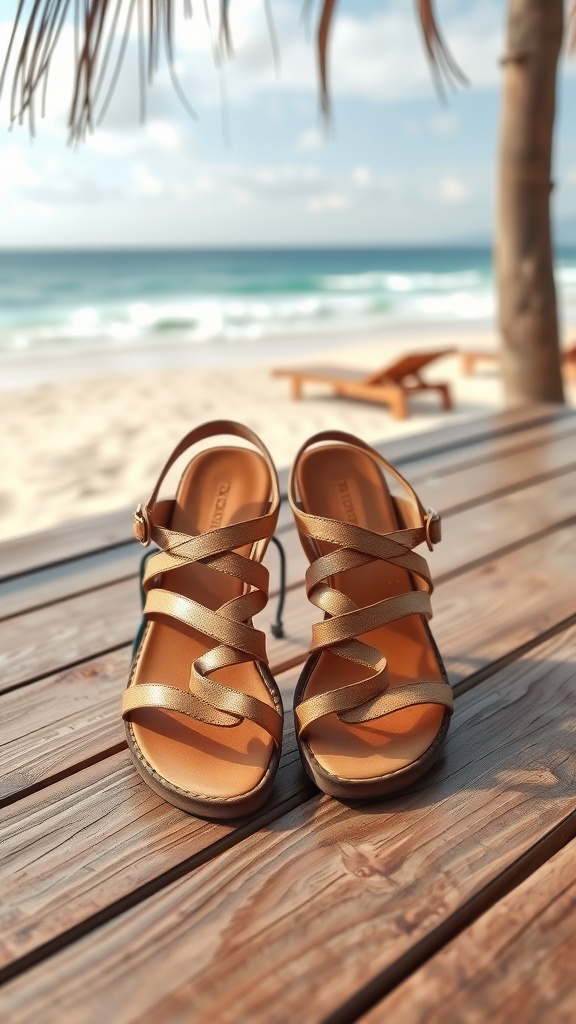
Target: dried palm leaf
{"type": "Point", "coordinates": [101, 39]}
{"type": "Point", "coordinates": [444, 68]}
{"type": "Point", "coordinates": [571, 28]}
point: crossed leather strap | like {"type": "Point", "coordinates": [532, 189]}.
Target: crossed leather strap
{"type": "Point", "coordinates": [371, 697]}
{"type": "Point", "coordinates": [230, 626]}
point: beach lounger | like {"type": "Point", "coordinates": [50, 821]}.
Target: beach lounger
{"type": "Point", "coordinates": [469, 358]}
{"type": "Point", "coordinates": [390, 386]}
{"type": "Point", "coordinates": [569, 363]}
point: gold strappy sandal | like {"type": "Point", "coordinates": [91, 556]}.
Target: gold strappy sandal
{"type": "Point", "coordinates": [203, 714]}
{"type": "Point", "coordinates": [373, 705]}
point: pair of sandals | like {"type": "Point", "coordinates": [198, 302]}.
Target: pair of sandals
{"type": "Point", "coordinates": [202, 712]}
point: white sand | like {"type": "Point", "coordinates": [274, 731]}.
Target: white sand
{"type": "Point", "coordinates": [83, 446]}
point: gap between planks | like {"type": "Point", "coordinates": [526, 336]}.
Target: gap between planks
{"type": "Point", "coordinates": [293, 797]}
{"type": "Point", "coordinates": [517, 956]}
{"type": "Point", "coordinates": [377, 873]}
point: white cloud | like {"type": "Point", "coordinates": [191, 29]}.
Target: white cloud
{"type": "Point", "coordinates": [146, 182]}
{"type": "Point", "coordinates": [362, 177]}
{"type": "Point", "coordinates": [16, 170]}
{"type": "Point", "coordinates": [328, 201]}
{"type": "Point", "coordinates": [444, 123]}
{"type": "Point", "coordinates": [163, 134]}
{"type": "Point", "coordinates": [453, 190]}
{"type": "Point", "coordinates": [204, 183]}
{"type": "Point", "coordinates": [310, 140]}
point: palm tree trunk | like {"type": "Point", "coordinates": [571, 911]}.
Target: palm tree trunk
{"type": "Point", "coordinates": [527, 297]}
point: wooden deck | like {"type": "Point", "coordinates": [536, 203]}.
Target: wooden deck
{"type": "Point", "coordinates": [455, 902]}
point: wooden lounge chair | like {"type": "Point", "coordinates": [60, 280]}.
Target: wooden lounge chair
{"type": "Point", "coordinates": [569, 363]}
{"type": "Point", "coordinates": [390, 386]}
{"type": "Point", "coordinates": [469, 358]}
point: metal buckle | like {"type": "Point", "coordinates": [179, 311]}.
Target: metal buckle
{"type": "Point", "coordinates": [431, 517]}
{"type": "Point", "coordinates": [142, 529]}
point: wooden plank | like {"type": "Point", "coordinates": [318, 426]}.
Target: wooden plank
{"type": "Point", "coordinates": [63, 580]}
{"type": "Point", "coordinates": [61, 722]}
{"type": "Point", "coordinates": [481, 482]}
{"type": "Point", "coordinates": [517, 960]}
{"type": "Point", "coordinates": [408, 450]}
{"type": "Point", "coordinates": [503, 604]}
{"type": "Point", "coordinates": [73, 717]}
{"type": "Point", "coordinates": [57, 636]}
{"type": "Point", "coordinates": [324, 904]}
{"type": "Point", "coordinates": [82, 536]}
{"type": "Point", "coordinates": [444, 481]}
{"type": "Point", "coordinates": [104, 826]}
{"type": "Point", "coordinates": [500, 446]}
{"type": "Point", "coordinates": [69, 540]}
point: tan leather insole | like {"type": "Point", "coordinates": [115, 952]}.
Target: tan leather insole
{"type": "Point", "coordinates": [219, 487]}
{"type": "Point", "coordinates": [343, 483]}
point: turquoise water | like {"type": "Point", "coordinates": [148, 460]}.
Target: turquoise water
{"type": "Point", "coordinates": [58, 301]}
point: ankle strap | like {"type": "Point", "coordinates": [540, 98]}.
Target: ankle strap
{"type": "Point", "coordinates": [142, 515]}
{"type": "Point", "coordinates": [412, 509]}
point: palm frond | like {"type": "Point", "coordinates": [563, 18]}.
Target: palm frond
{"type": "Point", "coordinates": [571, 28]}
{"type": "Point", "coordinates": [102, 29]}
{"type": "Point", "coordinates": [327, 13]}
{"type": "Point", "coordinates": [445, 70]}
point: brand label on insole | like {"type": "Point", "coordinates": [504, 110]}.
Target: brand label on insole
{"type": "Point", "coordinates": [220, 506]}
{"type": "Point", "coordinates": [347, 503]}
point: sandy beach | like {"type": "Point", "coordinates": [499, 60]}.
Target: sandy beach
{"type": "Point", "coordinates": [91, 440]}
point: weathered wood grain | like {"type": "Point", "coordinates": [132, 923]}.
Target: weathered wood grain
{"type": "Point", "coordinates": [57, 636]}
{"type": "Point", "coordinates": [57, 725]}
{"type": "Point", "coordinates": [61, 722]}
{"type": "Point", "coordinates": [480, 451]}
{"type": "Point", "coordinates": [63, 580]}
{"type": "Point", "coordinates": [297, 918]}
{"type": "Point", "coordinates": [514, 962]}
{"type": "Point", "coordinates": [477, 483]}
{"type": "Point", "coordinates": [494, 609]}
{"type": "Point", "coordinates": [33, 590]}
{"type": "Point", "coordinates": [92, 839]}
{"type": "Point", "coordinates": [75, 718]}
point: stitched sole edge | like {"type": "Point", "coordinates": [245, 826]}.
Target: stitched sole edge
{"type": "Point", "coordinates": [386, 785]}
{"type": "Point", "coordinates": [204, 807]}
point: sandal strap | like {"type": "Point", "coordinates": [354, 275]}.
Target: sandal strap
{"type": "Point", "coordinates": [364, 701]}
{"type": "Point", "coordinates": [230, 625]}
{"type": "Point", "coordinates": [212, 429]}
{"type": "Point", "coordinates": [173, 698]}
{"type": "Point", "coordinates": [332, 631]}
{"type": "Point", "coordinates": [343, 620]}
{"type": "Point", "coordinates": [223, 625]}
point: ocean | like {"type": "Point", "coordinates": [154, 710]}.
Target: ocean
{"type": "Point", "coordinates": [62, 302]}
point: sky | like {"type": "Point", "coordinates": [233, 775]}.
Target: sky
{"type": "Point", "coordinates": [259, 166]}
